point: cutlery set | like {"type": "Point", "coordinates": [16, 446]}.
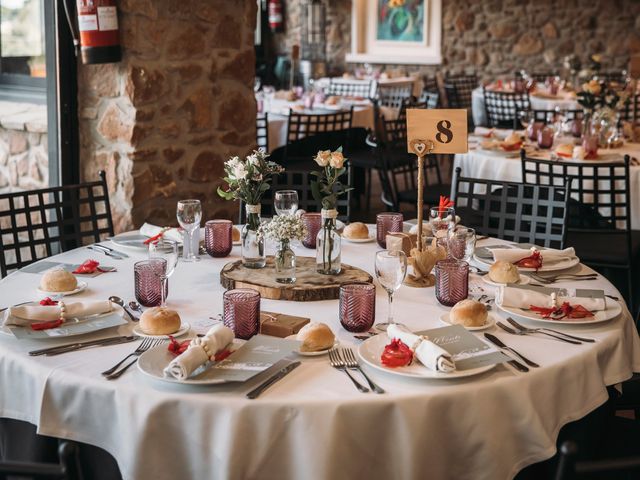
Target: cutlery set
{"type": "Point", "coordinates": [113, 373]}
{"type": "Point", "coordinates": [108, 251]}
{"type": "Point", "coordinates": [343, 359]}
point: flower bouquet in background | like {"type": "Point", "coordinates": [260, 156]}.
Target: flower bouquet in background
{"type": "Point", "coordinates": [326, 189]}
{"type": "Point", "coordinates": [248, 180]}
{"type": "Point", "coordinates": [283, 229]}
{"type": "Point", "coordinates": [601, 105]}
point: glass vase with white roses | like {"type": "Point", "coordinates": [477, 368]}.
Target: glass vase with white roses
{"type": "Point", "coordinates": [283, 229]}
{"type": "Point", "coordinates": [248, 180]}
{"type": "Point", "coordinates": [325, 190]}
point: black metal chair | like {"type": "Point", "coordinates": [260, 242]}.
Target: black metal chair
{"type": "Point", "coordinates": [36, 224]}
{"type": "Point", "coordinates": [630, 112]}
{"type": "Point", "coordinates": [548, 116]}
{"type": "Point", "coordinates": [571, 469]}
{"type": "Point", "coordinates": [344, 88]}
{"type": "Point", "coordinates": [512, 211]}
{"type": "Point", "coordinates": [599, 216]}
{"type": "Point", "coordinates": [68, 467]}
{"type": "Point", "coordinates": [503, 107]}
{"type": "Point", "coordinates": [429, 98]}
{"type": "Point", "coordinates": [458, 89]}
{"type": "Point", "coordinates": [538, 77]}
{"type": "Point", "coordinates": [430, 84]}
{"type": "Point", "coordinates": [394, 95]}
{"type": "Point", "coordinates": [262, 131]}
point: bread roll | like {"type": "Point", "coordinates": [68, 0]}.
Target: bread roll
{"type": "Point", "coordinates": [58, 280]}
{"type": "Point", "coordinates": [160, 321]}
{"type": "Point", "coordinates": [356, 230]}
{"type": "Point", "coordinates": [469, 313]}
{"type": "Point", "coordinates": [235, 234]}
{"type": "Point", "coordinates": [504, 272]}
{"type": "Point", "coordinates": [315, 337]}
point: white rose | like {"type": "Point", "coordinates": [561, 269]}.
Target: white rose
{"type": "Point", "coordinates": [337, 160]}
{"type": "Point", "coordinates": [323, 158]}
{"type": "Point", "coordinates": [253, 159]}
{"type": "Point", "coordinates": [239, 171]}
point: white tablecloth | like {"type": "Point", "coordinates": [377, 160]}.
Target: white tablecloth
{"type": "Point", "coordinates": [313, 424]}
{"type": "Point", "coordinates": [496, 166]}
{"type": "Point", "coordinates": [537, 103]}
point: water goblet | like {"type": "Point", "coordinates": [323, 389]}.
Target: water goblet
{"type": "Point", "coordinates": [391, 270]}
{"type": "Point", "coordinates": [462, 243]}
{"type": "Point", "coordinates": [189, 214]}
{"type": "Point", "coordinates": [525, 117]}
{"type": "Point", "coordinates": [167, 251]}
{"type": "Point", "coordinates": [286, 202]}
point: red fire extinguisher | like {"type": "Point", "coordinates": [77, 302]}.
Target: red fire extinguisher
{"type": "Point", "coordinates": [276, 16]}
{"type": "Point", "coordinates": [98, 31]}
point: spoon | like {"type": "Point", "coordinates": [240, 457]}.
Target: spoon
{"type": "Point", "coordinates": [135, 306]}
{"type": "Point", "coordinates": [119, 301]}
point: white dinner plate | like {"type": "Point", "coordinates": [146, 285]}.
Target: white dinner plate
{"type": "Point", "coordinates": [491, 321]}
{"type": "Point", "coordinates": [313, 354]}
{"type": "Point", "coordinates": [153, 362]}
{"type": "Point", "coordinates": [133, 241]}
{"type": "Point", "coordinates": [612, 311]}
{"type": "Point", "coordinates": [371, 349]}
{"type": "Point", "coordinates": [79, 288]}
{"type": "Point", "coordinates": [184, 328]}
{"type": "Point", "coordinates": [563, 264]}
{"type": "Point", "coordinates": [524, 279]}
{"type": "Point", "coordinates": [371, 238]}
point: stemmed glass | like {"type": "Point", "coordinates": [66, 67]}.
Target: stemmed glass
{"type": "Point", "coordinates": [526, 118]}
{"type": "Point", "coordinates": [286, 202]}
{"type": "Point", "coordinates": [168, 251]}
{"type": "Point", "coordinates": [462, 243]}
{"type": "Point", "coordinates": [391, 269]}
{"type": "Point", "coordinates": [189, 215]}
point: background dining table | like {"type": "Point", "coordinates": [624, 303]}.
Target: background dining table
{"type": "Point", "coordinates": [313, 422]}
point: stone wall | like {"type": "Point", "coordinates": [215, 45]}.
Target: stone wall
{"type": "Point", "coordinates": [162, 121]}
{"type": "Point", "coordinates": [497, 37]}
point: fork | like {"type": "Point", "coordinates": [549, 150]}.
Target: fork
{"type": "Point", "coordinates": [352, 364]}
{"type": "Point", "coordinates": [146, 344]}
{"type": "Point", "coordinates": [523, 332]}
{"type": "Point", "coordinates": [555, 278]}
{"type": "Point", "coordinates": [336, 362]}
{"type": "Point", "coordinates": [541, 330]}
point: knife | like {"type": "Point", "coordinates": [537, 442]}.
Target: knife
{"type": "Point", "coordinates": [77, 346]}
{"type": "Point", "coordinates": [106, 252]}
{"type": "Point", "coordinates": [279, 375]}
{"type": "Point", "coordinates": [111, 250]}
{"type": "Point", "coordinates": [514, 363]}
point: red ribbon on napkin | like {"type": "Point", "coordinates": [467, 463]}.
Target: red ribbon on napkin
{"type": "Point", "coordinates": [47, 302]}
{"type": "Point", "coordinates": [566, 310]}
{"type": "Point", "coordinates": [88, 267]}
{"type": "Point", "coordinates": [176, 347]}
{"type": "Point", "coordinates": [532, 261]}
{"type": "Point", "coordinates": [47, 325]}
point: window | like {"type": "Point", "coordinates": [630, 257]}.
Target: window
{"type": "Point", "coordinates": [22, 49]}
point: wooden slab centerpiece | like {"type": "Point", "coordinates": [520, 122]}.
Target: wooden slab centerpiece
{"type": "Point", "coordinates": [310, 285]}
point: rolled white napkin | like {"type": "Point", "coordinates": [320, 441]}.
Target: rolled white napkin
{"type": "Point", "coordinates": [523, 298]}
{"type": "Point", "coordinates": [549, 255]}
{"type": "Point", "coordinates": [430, 355]}
{"type": "Point", "coordinates": [27, 314]}
{"type": "Point", "coordinates": [591, 304]}
{"type": "Point", "coordinates": [199, 352]}
{"type": "Point", "coordinates": [173, 234]}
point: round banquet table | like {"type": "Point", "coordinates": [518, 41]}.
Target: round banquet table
{"type": "Point", "coordinates": [507, 167]}
{"type": "Point", "coordinates": [313, 423]}
{"type": "Point", "coordinates": [539, 101]}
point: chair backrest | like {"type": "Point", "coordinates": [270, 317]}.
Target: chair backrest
{"type": "Point", "coordinates": [394, 95]}
{"type": "Point", "coordinates": [262, 131]}
{"type": "Point", "coordinates": [538, 77]}
{"type": "Point", "coordinates": [36, 224]}
{"type": "Point", "coordinates": [458, 89]}
{"type": "Point", "coordinates": [502, 107]}
{"type": "Point", "coordinates": [345, 88]}
{"type": "Point", "coordinates": [569, 468]}
{"type": "Point", "coordinates": [302, 125]}
{"type": "Point", "coordinates": [512, 211]}
{"type": "Point", "coordinates": [630, 112]}
{"type": "Point", "coordinates": [548, 116]}
{"type": "Point", "coordinates": [599, 192]}
{"type": "Point", "coordinates": [430, 83]}
{"type": "Point", "coordinates": [67, 469]}
{"type": "Point", "coordinates": [430, 98]}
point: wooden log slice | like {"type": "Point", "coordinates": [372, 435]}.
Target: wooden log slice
{"type": "Point", "coordinates": [310, 285]}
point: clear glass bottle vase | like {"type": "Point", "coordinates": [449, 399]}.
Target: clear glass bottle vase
{"type": "Point", "coordinates": [253, 252]}
{"type": "Point", "coordinates": [285, 262]}
{"type": "Point", "coordinates": [328, 245]}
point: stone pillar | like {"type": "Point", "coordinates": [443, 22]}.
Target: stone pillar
{"type": "Point", "coordinates": [162, 121]}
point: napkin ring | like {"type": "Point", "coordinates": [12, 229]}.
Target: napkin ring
{"type": "Point", "coordinates": [200, 342]}
{"type": "Point", "coordinates": [63, 311]}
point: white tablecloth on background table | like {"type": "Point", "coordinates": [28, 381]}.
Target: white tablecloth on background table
{"type": "Point", "coordinates": [495, 166]}
{"type": "Point", "coordinates": [313, 424]}
{"type": "Point", "coordinates": [563, 101]}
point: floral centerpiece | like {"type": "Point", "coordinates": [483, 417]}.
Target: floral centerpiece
{"type": "Point", "coordinates": [283, 229]}
{"type": "Point", "coordinates": [326, 189]}
{"type": "Point", "coordinates": [248, 180]}
{"type": "Point", "coordinates": [601, 105]}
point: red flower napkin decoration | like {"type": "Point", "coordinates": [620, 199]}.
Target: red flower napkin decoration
{"type": "Point", "coordinates": [157, 237]}
{"type": "Point", "coordinates": [445, 203]}
{"type": "Point", "coordinates": [396, 354]}
{"type": "Point", "coordinates": [88, 267]}
{"type": "Point", "coordinates": [47, 302]}
{"type": "Point", "coordinates": [176, 347]}
{"type": "Point", "coordinates": [532, 261]}
{"type": "Point", "coordinates": [566, 310]}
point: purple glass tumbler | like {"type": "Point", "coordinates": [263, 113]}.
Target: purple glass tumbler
{"type": "Point", "coordinates": [218, 237]}
{"type": "Point", "coordinates": [312, 223]}
{"type": "Point", "coordinates": [545, 137]}
{"type": "Point", "coordinates": [148, 283]}
{"type": "Point", "coordinates": [357, 306]}
{"type": "Point", "coordinates": [241, 308]}
{"type": "Point", "coordinates": [452, 281]}
{"type": "Point", "coordinates": [387, 223]}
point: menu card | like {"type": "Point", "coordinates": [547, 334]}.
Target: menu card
{"type": "Point", "coordinates": [467, 350]}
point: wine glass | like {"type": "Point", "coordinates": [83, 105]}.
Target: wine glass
{"type": "Point", "coordinates": [166, 250]}
{"type": "Point", "coordinates": [462, 243]}
{"type": "Point", "coordinates": [286, 202]}
{"type": "Point", "coordinates": [391, 269]}
{"type": "Point", "coordinates": [525, 117]}
{"type": "Point", "coordinates": [189, 215]}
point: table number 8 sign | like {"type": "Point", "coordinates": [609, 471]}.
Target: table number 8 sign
{"type": "Point", "coordinates": [445, 131]}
